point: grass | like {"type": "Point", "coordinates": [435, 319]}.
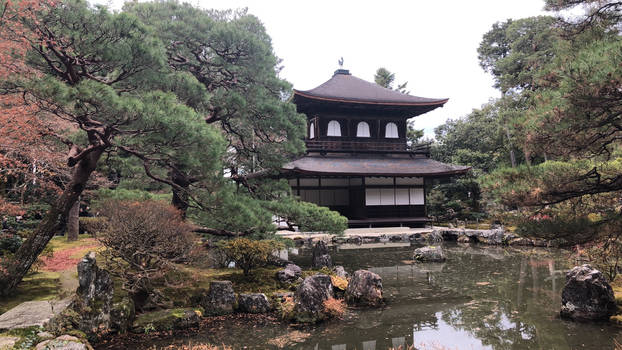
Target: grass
{"type": "Point", "coordinates": [34, 287]}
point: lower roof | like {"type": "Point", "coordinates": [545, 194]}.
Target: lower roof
{"type": "Point", "coordinates": [372, 166]}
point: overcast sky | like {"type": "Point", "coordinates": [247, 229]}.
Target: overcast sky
{"type": "Point", "coordinates": [430, 44]}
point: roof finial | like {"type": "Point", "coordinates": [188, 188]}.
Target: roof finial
{"type": "Point", "coordinates": [340, 63]}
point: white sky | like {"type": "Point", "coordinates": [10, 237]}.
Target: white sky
{"type": "Point", "coordinates": [430, 44]}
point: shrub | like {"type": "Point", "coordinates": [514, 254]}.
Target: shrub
{"type": "Point", "coordinates": [249, 254]}
{"type": "Point", "coordinates": [143, 240]}
{"type": "Point", "coordinates": [285, 308]}
{"type": "Point", "coordinates": [575, 230]}
{"type": "Point", "coordinates": [308, 217]}
{"type": "Point", "coordinates": [92, 225]}
{"type": "Point", "coordinates": [9, 243]}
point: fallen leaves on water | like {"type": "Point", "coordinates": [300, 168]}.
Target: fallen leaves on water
{"type": "Point", "coordinates": [291, 337]}
{"type": "Point", "coordinates": [482, 283]}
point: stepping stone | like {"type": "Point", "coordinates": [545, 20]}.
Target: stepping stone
{"type": "Point", "coordinates": [32, 313]}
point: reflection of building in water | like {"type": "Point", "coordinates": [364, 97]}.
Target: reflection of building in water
{"type": "Point", "coordinates": [398, 342]}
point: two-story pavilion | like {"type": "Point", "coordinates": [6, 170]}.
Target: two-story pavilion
{"type": "Point", "coordinates": [358, 161]}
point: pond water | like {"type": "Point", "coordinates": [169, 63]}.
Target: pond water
{"type": "Point", "coordinates": [481, 298]}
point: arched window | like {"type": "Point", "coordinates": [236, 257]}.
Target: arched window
{"type": "Point", "coordinates": [312, 130]}
{"type": "Point", "coordinates": [390, 131]}
{"type": "Point", "coordinates": [334, 129]}
{"type": "Point", "coordinates": [362, 130]}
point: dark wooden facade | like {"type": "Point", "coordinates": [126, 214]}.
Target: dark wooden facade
{"type": "Point", "coordinates": [358, 162]}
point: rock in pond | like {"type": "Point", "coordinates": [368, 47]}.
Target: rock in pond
{"type": "Point", "coordinates": [587, 295]}
{"type": "Point", "coordinates": [310, 296]}
{"type": "Point", "coordinates": [166, 320]}
{"type": "Point", "coordinates": [220, 298]}
{"type": "Point", "coordinates": [429, 254]}
{"type": "Point", "coordinates": [321, 258]}
{"type": "Point", "coordinates": [289, 274]}
{"type": "Point", "coordinates": [64, 342]}
{"type": "Point", "coordinates": [364, 288]}
{"type": "Point", "coordinates": [254, 303]}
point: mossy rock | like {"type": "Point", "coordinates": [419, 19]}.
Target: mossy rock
{"type": "Point", "coordinates": [164, 320]}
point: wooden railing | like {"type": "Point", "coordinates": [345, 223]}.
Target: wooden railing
{"type": "Point", "coordinates": [316, 145]}
{"type": "Point", "coordinates": [364, 146]}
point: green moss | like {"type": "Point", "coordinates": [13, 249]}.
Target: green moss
{"type": "Point", "coordinates": [162, 320]}
{"type": "Point", "coordinates": [61, 243]}
{"type": "Point", "coordinates": [34, 287]}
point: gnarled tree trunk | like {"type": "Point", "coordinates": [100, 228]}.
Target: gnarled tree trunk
{"type": "Point", "coordinates": [180, 195]}
{"type": "Point", "coordinates": [27, 254]}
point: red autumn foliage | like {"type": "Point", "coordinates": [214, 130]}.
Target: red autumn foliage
{"type": "Point", "coordinates": [67, 259]}
{"type": "Point", "coordinates": [29, 159]}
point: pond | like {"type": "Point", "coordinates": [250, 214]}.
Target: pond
{"type": "Point", "coordinates": [481, 298]}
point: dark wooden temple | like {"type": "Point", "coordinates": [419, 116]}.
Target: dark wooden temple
{"type": "Point", "coordinates": [358, 161]}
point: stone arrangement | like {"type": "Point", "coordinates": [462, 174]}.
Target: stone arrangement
{"type": "Point", "coordinates": [93, 311]}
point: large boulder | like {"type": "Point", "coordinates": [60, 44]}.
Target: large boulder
{"type": "Point", "coordinates": [220, 299]}
{"type": "Point", "coordinates": [92, 309]}
{"type": "Point", "coordinates": [310, 297]}
{"type": "Point", "coordinates": [289, 274]}
{"type": "Point", "coordinates": [429, 254]}
{"type": "Point", "coordinates": [320, 257]}
{"type": "Point", "coordinates": [364, 288]}
{"type": "Point", "coordinates": [254, 303]}
{"type": "Point", "coordinates": [587, 295]}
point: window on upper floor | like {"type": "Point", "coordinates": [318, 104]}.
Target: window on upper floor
{"type": "Point", "coordinates": [390, 131]}
{"type": "Point", "coordinates": [312, 130]}
{"type": "Point", "coordinates": [334, 129]}
{"type": "Point", "coordinates": [362, 130]}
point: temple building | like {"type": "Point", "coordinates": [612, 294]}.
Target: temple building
{"type": "Point", "coordinates": [358, 161]}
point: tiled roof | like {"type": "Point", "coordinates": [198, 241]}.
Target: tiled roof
{"type": "Point", "coordinates": [370, 166]}
{"type": "Point", "coordinates": [344, 87]}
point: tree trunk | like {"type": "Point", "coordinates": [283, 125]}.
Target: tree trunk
{"type": "Point", "coordinates": [180, 196]}
{"type": "Point", "coordinates": [512, 156]}
{"type": "Point", "coordinates": [27, 254]}
{"type": "Point", "coordinates": [73, 221]}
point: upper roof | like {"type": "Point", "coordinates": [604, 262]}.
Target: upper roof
{"type": "Point", "coordinates": [370, 165]}
{"type": "Point", "coordinates": [344, 87]}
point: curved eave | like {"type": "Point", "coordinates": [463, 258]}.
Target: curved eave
{"type": "Point", "coordinates": [372, 166]}
{"type": "Point", "coordinates": [437, 103]}
{"type": "Point", "coordinates": [437, 174]}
